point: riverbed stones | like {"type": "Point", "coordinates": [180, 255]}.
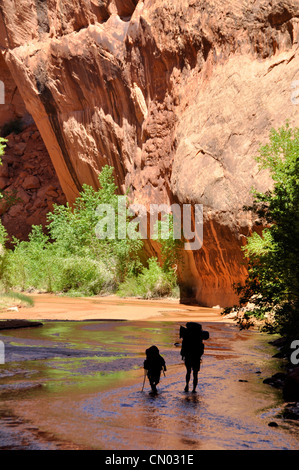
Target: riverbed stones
{"type": "Point", "coordinates": [277, 380]}
{"type": "Point", "coordinates": [291, 411]}
{"type": "Point", "coordinates": [288, 382]}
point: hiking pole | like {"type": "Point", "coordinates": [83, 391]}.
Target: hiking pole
{"type": "Point", "coordinates": [143, 380]}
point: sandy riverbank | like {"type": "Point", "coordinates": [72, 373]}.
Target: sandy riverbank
{"type": "Point", "coordinates": [54, 307]}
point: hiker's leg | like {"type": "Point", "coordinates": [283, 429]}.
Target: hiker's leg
{"type": "Point", "coordinates": [195, 379]}
{"type": "Point", "coordinates": [154, 388]}
{"type": "Point", "coordinates": [157, 377]}
{"type": "Point", "coordinates": [154, 380]}
{"type": "Point", "coordinates": [150, 379]}
{"type": "Point", "coordinates": [153, 385]}
{"type": "Point", "coordinates": [188, 375]}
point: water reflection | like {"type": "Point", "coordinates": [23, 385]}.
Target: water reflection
{"type": "Point", "coordinates": [79, 384]}
{"type": "Point", "coordinates": [172, 419]}
{"type": "Point", "coordinates": [190, 407]}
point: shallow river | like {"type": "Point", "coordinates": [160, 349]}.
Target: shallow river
{"type": "Point", "coordinates": [77, 385]}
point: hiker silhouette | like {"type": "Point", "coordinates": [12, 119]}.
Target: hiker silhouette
{"type": "Point", "coordinates": [192, 350]}
{"type": "Point", "coordinates": [153, 365]}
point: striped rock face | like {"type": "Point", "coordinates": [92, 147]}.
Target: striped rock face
{"type": "Point", "coordinates": [176, 95]}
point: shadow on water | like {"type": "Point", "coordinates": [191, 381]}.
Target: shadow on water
{"type": "Point", "coordinates": [78, 385]}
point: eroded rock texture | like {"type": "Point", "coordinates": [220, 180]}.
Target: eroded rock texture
{"type": "Point", "coordinates": [176, 95]}
{"type": "Point", "coordinates": [12, 106]}
{"type": "Point", "coordinates": [28, 182]}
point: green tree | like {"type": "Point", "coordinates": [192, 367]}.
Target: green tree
{"type": "Point", "coordinates": [273, 256]}
{"type": "Point", "coordinates": [2, 149]}
{"type": "Point", "coordinates": [71, 258]}
{"type": "Point", "coordinates": [73, 229]}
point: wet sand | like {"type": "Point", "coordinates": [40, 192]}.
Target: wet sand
{"type": "Point", "coordinates": [77, 385]}
{"type": "Point", "coordinates": [53, 307]}
{"type": "Point", "coordinates": [75, 382]}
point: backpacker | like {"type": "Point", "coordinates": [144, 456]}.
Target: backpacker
{"type": "Point", "coordinates": [154, 361]}
{"type": "Point", "coordinates": [154, 364]}
{"type": "Point", "coordinates": [193, 336]}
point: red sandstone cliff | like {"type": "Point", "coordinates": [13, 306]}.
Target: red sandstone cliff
{"type": "Point", "coordinates": [176, 95]}
{"type": "Point", "coordinates": [28, 182]}
{"type": "Point", "coordinates": [27, 177]}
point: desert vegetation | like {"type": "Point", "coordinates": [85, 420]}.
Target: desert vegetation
{"type": "Point", "coordinates": [69, 258]}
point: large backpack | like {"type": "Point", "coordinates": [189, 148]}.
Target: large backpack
{"type": "Point", "coordinates": [193, 336]}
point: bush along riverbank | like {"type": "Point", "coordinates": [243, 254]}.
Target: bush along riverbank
{"type": "Point", "coordinates": [67, 256]}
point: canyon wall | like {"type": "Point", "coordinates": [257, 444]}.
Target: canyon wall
{"type": "Point", "coordinates": [12, 106]}
{"type": "Point", "coordinates": [28, 181]}
{"type": "Point", "coordinates": [176, 95]}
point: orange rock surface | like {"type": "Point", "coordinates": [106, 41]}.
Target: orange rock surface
{"type": "Point", "coordinates": [177, 95]}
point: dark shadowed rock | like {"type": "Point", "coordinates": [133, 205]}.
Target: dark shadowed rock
{"type": "Point", "coordinates": [291, 411]}
{"type": "Point", "coordinates": [12, 324]}
{"type": "Point", "coordinates": [291, 386]}
{"type": "Point", "coordinates": [277, 380]}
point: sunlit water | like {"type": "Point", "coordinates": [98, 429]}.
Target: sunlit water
{"type": "Point", "coordinates": [77, 385]}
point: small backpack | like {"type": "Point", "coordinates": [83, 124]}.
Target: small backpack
{"type": "Point", "coordinates": [153, 359]}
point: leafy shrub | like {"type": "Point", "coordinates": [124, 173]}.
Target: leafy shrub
{"type": "Point", "coordinates": [74, 229]}
{"type": "Point", "coordinates": [70, 258]}
{"type": "Point", "coordinates": [152, 282]}
{"type": "Point", "coordinates": [85, 276]}
{"type": "Point", "coordinates": [16, 299]}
